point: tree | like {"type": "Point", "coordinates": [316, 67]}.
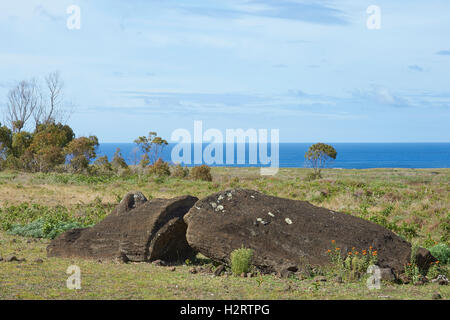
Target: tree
{"type": "Point", "coordinates": [23, 100]}
{"type": "Point", "coordinates": [81, 151]}
{"type": "Point", "coordinates": [52, 134]}
{"type": "Point", "coordinates": [48, 158]}
{"type": "Point", "coordinates": [318, 156]}
{"type": "Point", "coordinates": [27, 99]}
{"type": "Point", "coordinates": [20, 143]}
{"type": "Point", "coordinates": [53, 105]}
{"type": "Point", "coordinates": [152, 146]}
{"type": "Point", "coordinates": [48, 145]}
{"type": "Point", "coordinates": [118, 161]}
{"type": "Point", "coordinates": [145, 161]}
{"type": "Point", "coordinates": [5, 141]}
{"type": "Point", "coordinates": [102, 165]}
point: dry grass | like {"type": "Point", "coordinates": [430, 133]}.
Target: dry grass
{"type": "Point", "coordinates": [414, 196]}
{"type": "Point", "coordinates": [403, 197]}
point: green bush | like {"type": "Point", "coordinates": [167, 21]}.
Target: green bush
{"type": "Point", "coordinates": [437, 269]}
{"type": "Point", "coordinates": [241, 260]}
{"type": "Point", "coordinates": [101, 166]}
{"type": "Point", "coordinates": [179, 171]}
{"type": "Point", "coordinates": [441, 252]}
{"type": "Point", "coordinates": [42, 228]}
{"type": "Point", "coordinates": [202, 172]}
{"type": "Point", "coordinates": [48, 222]}
{"type": "Point", "coordinates": [313, 176]}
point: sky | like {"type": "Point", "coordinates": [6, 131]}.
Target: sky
{"type": "Point", "coordinates": [312, 69]}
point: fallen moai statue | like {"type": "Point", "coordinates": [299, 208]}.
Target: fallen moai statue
{"type": "Point", "coordinates": [136, 230]}
{"type": "Point", "coordinates": [287, 234]}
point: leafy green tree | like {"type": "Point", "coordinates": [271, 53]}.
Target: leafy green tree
{"type": "Point", "coordinates": [319, 156]}
{"type": "Point", "coordinates": [48, 144]}
{"type": "Point", "coordinates": [20, 143]}
{"type": "Point", "coordinates": [5, 141]}
{"type": "Point", "coordinates": [55, 134]}
{"type": "Point", "coordinates": [152, 146]}
{"type": "Point", "coordinates": [81, 151]}
{"type": "Point", "coordinates": [49, 157]}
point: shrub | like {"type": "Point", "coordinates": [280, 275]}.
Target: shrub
{"type": "Point", "coordinates": [241, 260]}
{"type": "Point", "coordinates": [313, 176]}
{"type": "Point", "coordinates": [437, 269]}
{"type": "Point", "coordinates": [412, 269]}
{"type": "Point", "coordinates": [124, 172]}
{"type": "Point", "coordinates": [45, 222]}
{"type": "Point", "coordinates": [179, 171]}
{"type": "Point", "coordinates": [118, 161]}
{"type": "Point", "coordinates": [42, 228]}
{"type": "Point", "coordinates": [441, 252]}
{"type": "Point", "coordinates": [202, 172]}
{"type": "Point", "coordinates": [355, 264]}
{"type": "Point", "coordinates": [159, 168]}
{"type": "Point", "coordinates": [234, 183]}
{"type": "Point", "coordinates": [101, 166]}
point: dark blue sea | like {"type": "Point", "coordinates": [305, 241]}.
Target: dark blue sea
{"type": "Point", "coordinates": [349, 155]}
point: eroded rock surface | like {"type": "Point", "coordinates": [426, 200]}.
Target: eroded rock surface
{"type": "Point", "coordinates": [285, 234]}
{"type": "Point", "coordinates": [136, 230]}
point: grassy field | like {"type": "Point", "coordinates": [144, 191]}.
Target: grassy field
{"type": "Point", "coordinates": [414, 203]}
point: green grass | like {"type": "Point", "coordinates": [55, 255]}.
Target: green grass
{"type": "Point", "coordinates": [109, 280]}
{"type": "Point", "coordinates": [414, 203]}
{"type": "Point", "coordinates": [40, 221]}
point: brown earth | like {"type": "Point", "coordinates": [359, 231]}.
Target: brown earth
{"type": "Point", "coordinates": [136, 230]}
{"type": "Point", "coordinates": [286, 234]}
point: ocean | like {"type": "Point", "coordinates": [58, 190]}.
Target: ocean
{"type": "Point", "coordinates": [349, 155]}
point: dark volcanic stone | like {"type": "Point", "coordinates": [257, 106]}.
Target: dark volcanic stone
{"type": "Point", "coordinates": [387, 274]}
{"type": "Point", "coordinates": [136, 230]}
{"type": "Point", "coordinates": [129, 202]}
{"type": "Point", "coordinates": [424, 258]}
{"type": "Point", "coordinates": [284, 232]}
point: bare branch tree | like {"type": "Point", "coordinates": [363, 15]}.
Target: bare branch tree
{"type": "Point", "coordinates": [23, 100]}
{"type": "Point", "coordinates": [53, 107]}
{"type": "Point", "coordinates": [44, 105]}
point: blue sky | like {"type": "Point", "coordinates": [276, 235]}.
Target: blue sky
{"type": "Point", "coordinates": [309, 68]}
